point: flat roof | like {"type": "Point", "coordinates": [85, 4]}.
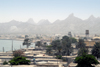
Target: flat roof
{"type": "Point", "coordinates": [6, 56]}
{"type": "Point", "coordinates": [46, 59]}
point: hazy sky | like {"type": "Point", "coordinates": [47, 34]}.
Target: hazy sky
{"type": "Point", "coordinates": [52, 10]}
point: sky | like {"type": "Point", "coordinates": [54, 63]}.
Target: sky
{"type": "Point", "coordinates": [22, 10]}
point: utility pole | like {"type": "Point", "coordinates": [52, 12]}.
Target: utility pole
{"type": "Point", "coordinates": [12, 45]}
{"type": "Point", "coordinates": [20, 46]}
{"type": "Point", "coordinates": [3, 49]}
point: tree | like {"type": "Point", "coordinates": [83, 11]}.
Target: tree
{"type": "Point", "coordinates": [82, 51]}
{"type": "Point", "coordinates": [65, 39]}
{"type": "Point", "coordinates": [55, 43]}
{"type": "Point", "coordinates": [68, 50]}
{"type": "Point", "coordinates": [38, 43]}
{"type": "Point", "coordinates": [81, 44]}
{"type": "Point", "coordinates": [59, 48]}
{"type": "Point", "coordinates": [86, 61]}
{"type": "Point", "coordinates": [49, 49]}
{"type": "Point", "coordinates": [59, 56]}
{"type": "Point", "coordinates": [27, 42]}
{"type": "Point", "coordinates": [45, 43]}
{"type": "Point", "coordinates": [96, 50]}
{"type": "Point", "coordinates": [66, 45]}
{"type": "Point", "coordinates": [5, 62]}
{"type": "Point", "coordinates": [19, 61]}
{"type": "Point", "coordinates": [73, 40]}
{"type": "Point", "coordinates": [18, 53]}
{"type": "Point", "coordinates": [63, 46]}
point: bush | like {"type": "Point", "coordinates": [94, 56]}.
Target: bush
{"type": "Point", "coordinates": [64, 59]}
{"type": "Point", "coordinates": [59, 57]}
{"type": "Point", "coordinates": [85, 61]}
{"type": "Point", "coordinates": [5, 62]}
{"type": "Point", "coordinates": [18, 53]}
{"type": "Point", "coordinates": [19, 61]}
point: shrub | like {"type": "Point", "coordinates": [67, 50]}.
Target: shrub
{"type": "Point", "coordinates": [19, 61]}
{"type": "Point", "coordinates": [18, 53]}
{"type": "Point", "coordinates": [5, 62]}
{"type": "Point", "coordinates": [64, 59]}
{"type": "Point", "coordinates": [85, 61]}
{"type": "Point", "coordinates": [59, 57]}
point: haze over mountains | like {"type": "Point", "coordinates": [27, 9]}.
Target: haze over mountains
{"type": "Point", "coordinates": [71, 23]}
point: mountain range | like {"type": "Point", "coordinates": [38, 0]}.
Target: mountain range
{"type": "Point", "coordinates": [70, 24]}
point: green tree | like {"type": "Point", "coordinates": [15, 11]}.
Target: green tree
{"type": "Point", "coordinates": [5, 62]}
{"type": "Point", "coordinates": [73, 40]}
{"type": "Point", "coordinates": [49, 49]}
{"type": "Point", "coordinates": [19, 61]}
{"type": "Point", "coordinates": [66, 45]}
{"type": "Point", "coordinates": [81, 44]}
{"type": "Point", "coordinates": [86, 61]}
{"type": "Point", "coordinates": [82, 51]}
{"type": "Point", "coordinates": [96, 50]}
{"type": "Point", "coordinates": [59, 48]}
{"type": "Point", "coordinates": [55, 43]}
{"type": "Point", "coordinates": [27, 42]}
{"type": "Point", "coordinates": [65, 38]}
{"type": "Point", "coordinates": [68, 48]}
{"type": "Point", "coordinates": [38, 43]}
{"type": "Point", "coordinates": [63, 46]}
{"type": "Point", "coordinates": [45, 43]}
{"type": "Point", "coordinates": [59, 56]}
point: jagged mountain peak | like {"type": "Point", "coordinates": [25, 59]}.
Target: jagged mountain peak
{"type": "Point", "coordinates": [13, 20]}
{"type": "Point", "coordinates": [30, 20]}
{"type": "Point", "coordinates": [71, 15]}
{"type": "Point", "coordinates": [91, 17]}
{"type": "Point", "coordinates": [57, 21]}
{"type": "Point", "coordinates": [43, 22]}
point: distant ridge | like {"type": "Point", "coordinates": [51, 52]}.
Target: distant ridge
{"type": "Point", "coordinates": [71, 23]}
